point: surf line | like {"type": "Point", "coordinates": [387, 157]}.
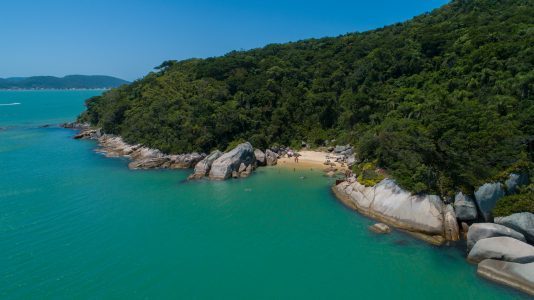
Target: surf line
{"type": "Point", "coordinates": [9, 104]}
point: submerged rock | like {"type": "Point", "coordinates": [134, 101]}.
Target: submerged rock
{"type": "Point", "coordinates": [501, 248]}
{"type": "Point", "coordinates": [202, 168]}
{"type": "Point", "coordinates": [380, 228]}
{"type": "Point", "coordinates": [515, 275]}
{"type": "Point", "coordinates": [223, 167]}
{"type": "Point", "coordinates": [521, 222]}
{"type": "Point", "coordinates": [486, 197]}
{"type": "Point", "coordinates": [465, 207]}
{"type": "Point", "coordinates": [480, 231]}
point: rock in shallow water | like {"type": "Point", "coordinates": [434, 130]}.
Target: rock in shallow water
{"type": "Point", "coordinates": [202, 168]}
{"type": "Point", "coordinates": [501, 248]}
{"type": "Point", "coordinates": [515, 275]}
{"type": "Point", "coordinates": [480, 231]}
{"type": "Point", "coordinates": [388, 202]}
{"type": "Point", "coordinates": [223, 167]}
{"type": "Point", "coordinates": [521, 222]}
{"type": "Point", "coordinates": [380, 228]}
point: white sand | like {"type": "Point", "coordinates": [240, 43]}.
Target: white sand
{"type": "Point", "coordinates": [309, 159]}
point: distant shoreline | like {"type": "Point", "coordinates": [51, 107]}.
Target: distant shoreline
{"type": "Point", "coordinates": [53, 89]}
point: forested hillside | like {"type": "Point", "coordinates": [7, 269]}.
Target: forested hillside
{"type": "Point", "coordinates": [442, 102]}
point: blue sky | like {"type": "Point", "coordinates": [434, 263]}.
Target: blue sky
{"type": "Point", "coordinates": [128, 38]}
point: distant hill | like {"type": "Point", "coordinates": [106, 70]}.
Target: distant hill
{"type": "Point", "coordinates": [67, 82]}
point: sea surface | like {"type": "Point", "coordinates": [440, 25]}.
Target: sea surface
{"type": "Point", "coordinates": [77, 225]}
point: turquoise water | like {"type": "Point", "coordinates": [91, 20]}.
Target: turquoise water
{"type": "Point", "coordinates": [76, 225]}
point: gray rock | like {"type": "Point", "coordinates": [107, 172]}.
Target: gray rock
{"type": "Point", "coordinates": [351, 160]}
{"type": "Point", "coordinates": [514, 181]}
{"type": "Point", "coordinates": [501, 248]}
{"type": "Point", "coordinates": [223, 167]}
{"type": "Point", "coordinates": [380, 228]}
{"type": "Point", "coordinates": [271, 158]}
{"type": "Point", "coordinates": [185, 161]}
{"type": "Point", "coordinates": [247, 171]}
{"type": "Point", "coordinates": [465, 207]}
{"type": "Point", "coordinates": [150, 163]}
{"type": "Point", "coordinates": [486, 197]}
{"type": "Point", "coordinates": [339, 148]}
{"type": "Point", "coordinates": [260, 157]}
{"type": "Point", "coordinates": [89, 134]}
{"type": "Point", "coordinates": [452, 231]}
{"type": "Point", "coordinates": [202, 168]}
{"type": "Point", "coordinates": [515, 275]}
{"type": "Point", "coordinates": [521, 222]}
{"type": "Point", "coordinates": [347, 152]}
{"type": "Point", "coordinates": [479, 231]}
{"type": "Point", "coordinates": [389, 203]}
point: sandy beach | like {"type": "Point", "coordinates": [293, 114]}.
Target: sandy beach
{"type": "Point", "coordinates": [309, 160]}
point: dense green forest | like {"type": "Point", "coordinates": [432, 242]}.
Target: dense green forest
{"type": "Point", "coordinates": [442, 102]}
{"type": "Point", "coordinates": [67, 82]}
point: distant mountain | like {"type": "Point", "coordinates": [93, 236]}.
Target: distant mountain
{"type": "Point", "coordinates": [67, 82]}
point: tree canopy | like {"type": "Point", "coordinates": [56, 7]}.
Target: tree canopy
{"type": "Point", "coordinates": [442, 102]}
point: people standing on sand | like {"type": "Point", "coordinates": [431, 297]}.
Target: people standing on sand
{"type": "Point", "coordinates": [297, 159]}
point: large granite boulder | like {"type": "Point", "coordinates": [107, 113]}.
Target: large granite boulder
{"type": "Point", "coordinates": [389, 203]}
{"type": "Point", "coordinates": [465, 207]}
{"type": "Point", "coordinates": [515, 275]}
{"type": "Point", "coordinates": [521, 222]}
{"type": "Point", "coordinates": [452, 231]}
{"type": "Point", "coordinates": [501, 248]}
{"type": "Point", "coordinates": [229, 162]}
{"type": "Point", "coordinates": [202, 168]}
{"type": "Point", "coordinates": [486, 197]}
{"type": "Point", "coordinates": [479, 231]}
{"type": "Point", "coordinates": [514, 181]}
{"type": "Point", "coordinates": [260, 157]}
{"type": "Point", "coordinates": [271, 158]}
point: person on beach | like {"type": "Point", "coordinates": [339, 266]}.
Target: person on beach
{"type": "Point", "coordinates": [297, 159]}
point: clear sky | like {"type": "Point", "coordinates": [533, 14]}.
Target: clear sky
{"type": "Point", "coordinates": [128, 38]}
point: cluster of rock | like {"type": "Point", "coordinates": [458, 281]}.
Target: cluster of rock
{"type": "Point", "coordinates": [503, 250]}
{"type": "Point", "coordinates": [239, 162]}
{"type": "Point", "coordinates": [345, 154]}
{"type": "Point", "coordinates": [503, 253]}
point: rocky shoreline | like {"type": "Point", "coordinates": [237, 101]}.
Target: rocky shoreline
{"type": "Point", "coordinates": [503, 250]}
{"type": "Point", "coordinates": [237, 163]}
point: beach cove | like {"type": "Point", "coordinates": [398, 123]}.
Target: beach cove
{"type": "Point", "coordinates": [75, 224]}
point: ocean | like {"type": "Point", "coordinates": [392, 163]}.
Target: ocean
{"type": "Point", "coordinates": [77, 225]}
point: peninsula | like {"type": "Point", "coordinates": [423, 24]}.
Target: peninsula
{"type": "Point", "coordinates": [437, 112]}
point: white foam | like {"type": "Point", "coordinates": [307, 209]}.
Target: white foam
{"type": "Point", "coordinates": [9, 104]}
